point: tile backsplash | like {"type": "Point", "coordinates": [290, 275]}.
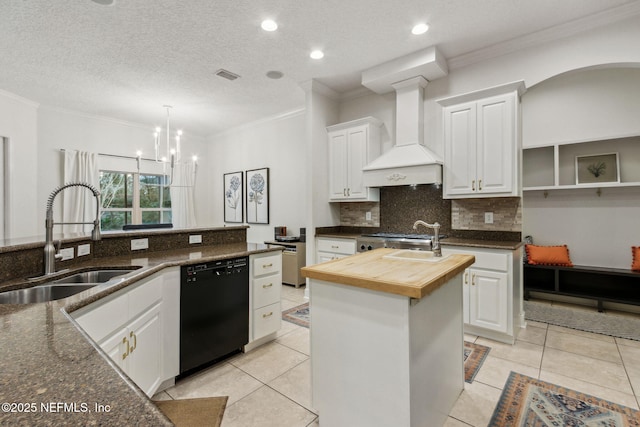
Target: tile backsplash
{"type": "Point", "coordinates": [469, 214]}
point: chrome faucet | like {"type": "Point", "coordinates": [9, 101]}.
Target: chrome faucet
{"type": "Point", "coordinates": [50, 254]}
{"type": "Point", "coordinates": [436, 238]}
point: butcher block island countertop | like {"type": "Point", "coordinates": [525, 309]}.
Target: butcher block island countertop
{"type": "Point", "coordinates": [386, 331]}
{"type": "Point", "coordinates": [373, 270]}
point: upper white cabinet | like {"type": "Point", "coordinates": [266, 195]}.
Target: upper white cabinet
{"type": "Point", "coordinates": [482, 144]}
{"type": "Point", "coordinates": [352, 145]}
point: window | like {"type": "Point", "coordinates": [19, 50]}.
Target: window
{"type": "Point", "coordinates": [133, 198]}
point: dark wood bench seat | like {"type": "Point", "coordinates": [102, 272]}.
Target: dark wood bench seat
{"type": "Point", "coordinates": [599, 283]}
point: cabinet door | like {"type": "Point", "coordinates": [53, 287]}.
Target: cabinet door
{"type": "Point", "coordinates": [145, 358]}
{"type": "Point", "coordinates": [116, 348]}
{"type": "Point", "coordinates": [338, 165]}
{"type": "Point", "coordinates": [496, 145]}
{"type": "Point", "coordinates": [357, 159]}
{"type": "Point", "coordinates": [460, 149]}
{"type": "Point", "coordinates": [488, 299]}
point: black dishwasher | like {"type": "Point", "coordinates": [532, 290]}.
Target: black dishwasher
{"type": "Point", "coordinates": [214, 311]}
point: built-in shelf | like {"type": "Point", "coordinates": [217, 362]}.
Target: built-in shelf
{"type": "Point", "coordinates": [553, 167]}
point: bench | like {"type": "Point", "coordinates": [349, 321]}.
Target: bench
{"type": "Point", "coordinates": [599, 283]}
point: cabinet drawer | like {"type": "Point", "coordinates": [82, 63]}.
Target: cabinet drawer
{"type": "Point", "coordinates": [484, 259]}
{"type": "Point", "coordinates": [340, 246]}
{"type": "Point", "coordinates": [266, 320]}
{"type": "Point", "coordinates": [267, 265]}
{"type": "Point", "coordinates": [103, 320]}
{"type": "Point", "coordinates": [266, 290]}
{"type": "Point", "coordinates": [144, 296]}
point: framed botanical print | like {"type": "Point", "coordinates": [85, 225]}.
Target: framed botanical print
{"type": "Point", "coordinates": [597, 168]}
{"type": "Point", "coordinates": [257, 188]}
{"type": "Point", "coordinates": [233, 197]}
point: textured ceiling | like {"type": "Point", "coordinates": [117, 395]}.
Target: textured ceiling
{"type": "Point", "coordinates": [126, 60]}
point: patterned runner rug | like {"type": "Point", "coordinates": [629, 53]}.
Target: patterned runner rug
{"type": "Point", "coordinates": [527, 402]}
{"type": "Point", "coordinates": [474, 354]}
{"type": "Point", "coordinates": [615, 325]}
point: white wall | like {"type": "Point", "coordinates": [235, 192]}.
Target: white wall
{"type": "Point", "coordinates": [18, 118]}
{"type": "Point", "coordinates": [60, 129]}
{"type": "Point", "coordinates": [275, 143]}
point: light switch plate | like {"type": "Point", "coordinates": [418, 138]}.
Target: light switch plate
{"type": "Point", "coordinates": [138, 244]}
{"type": "Point", "coordinates": [488, 217]}
{"type": "Point", "coordinates": [67, 253]}
{"type": "Point", "coordinates": [84, 249]}
{"type": "Point", "coordinates": [195, 238]}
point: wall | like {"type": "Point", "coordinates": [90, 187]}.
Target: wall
{"type": "Point", "coordinates": [276, 143]}
{"type": "Point", "coordinates": [18, 118]}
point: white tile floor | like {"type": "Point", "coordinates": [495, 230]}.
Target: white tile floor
{"type": "Point", "coordinates": [270, 386]}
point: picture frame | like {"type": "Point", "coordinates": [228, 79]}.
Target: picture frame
{"type": "Point", "coordinates": [233, 196]}
{"type": "Point", "coordinates": [257, 196]}
{"type": "Point", "coordinates": [597, 168]}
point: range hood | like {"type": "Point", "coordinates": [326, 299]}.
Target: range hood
{"type": "Point", "coordinates": [408, 162]}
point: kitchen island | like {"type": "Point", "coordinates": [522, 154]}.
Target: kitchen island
{"type": "Point", "coordinates": [386, 338]}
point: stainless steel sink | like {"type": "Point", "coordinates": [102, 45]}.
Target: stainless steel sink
{"type": "Point", "coordinates": [42, 293]}
{"type": "Point", "coordinates": [94, 276]}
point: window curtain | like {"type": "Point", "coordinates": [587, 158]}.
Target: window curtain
{"type": "Point", "coordinates": [78, 203]}
{"type": "Point", "coordinates": [183, 211]}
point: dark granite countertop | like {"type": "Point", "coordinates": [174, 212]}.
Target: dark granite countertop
{"type": "Point", "coordinates": [476, 243]}
{"type": "Point", "coordinates": [339, 235]}
{"type": "Point", "coordinates": [53, 374]}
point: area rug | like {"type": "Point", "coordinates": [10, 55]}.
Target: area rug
{"type": "Point", "coordinates": [611, 324]}
{"type": "Point", "coordinates": [474, 354]}
{"type": "Point", "coordinates": [527, 402]}
{"type": "Point", "coordinates": [298, 315]}
{"type": "Point", "coordinates": [202, 412]}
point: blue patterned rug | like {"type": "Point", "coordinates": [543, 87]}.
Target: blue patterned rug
{"type": "Point", "coordinates": [298, 315]}
{"type": "Point", "coordinates": [527, 402]}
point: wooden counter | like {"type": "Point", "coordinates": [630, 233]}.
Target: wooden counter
{"type": "Point", "coordinates": [371, 270]}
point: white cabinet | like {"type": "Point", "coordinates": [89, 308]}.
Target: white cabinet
{"type": "Point", "coordinates": [329, 248]}
{"type": "Point", "coordinates": [138, 329]}
{"type": "Point", "coordinates": [265, 292]}
{"type": "Point", "coordinates": [352, 146]}
{"type": "Point", "coordinates": [492, 292]}
{"type": "Point", "coordinates": [482, 143]}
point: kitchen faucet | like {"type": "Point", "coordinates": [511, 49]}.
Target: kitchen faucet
{"type": "Point", "coordinates": [50, 254]}
{"type": "Point", "coordinates": [436, 239]}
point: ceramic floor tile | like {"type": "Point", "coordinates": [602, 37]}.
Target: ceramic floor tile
{"type": "Point", "coordinates": [537, 324]}
{"type": "Point", "coordinates": [286, 327]}
{"type": "Point", "coordinates": [298, 340]}
{"type": "Point", "coordinates": [470, 338]}
{"type": "Point", "coordinates": [452, 422]}
{"type": "Point", "coordinates": [269, 361]}
{"type": "Point", "coordinates": [628, 343]}
{"type": "Point", "coordinates": [292, 294]}
{"type": "Point", "coordinates": [266, 408]}
{"type": "Point", "coordinates": [581, 333]}
{"type": "Point", "coordinates": [590, 388]}
{"type": "Point", "coordinates": [533, 334]}
{"type": "Point", "coordinates": [634, 377]}
{"type": "Point", "coordinates": [161, 396]}
{"type": "Point", "coordinates": [606, 374]}
{"type": "Point", "coordinates": [296, 384]}
{"type": "Point", "coordinates": [630, 355]}
{"type": "Point", "coordinates": [286, 304]}
{"type": "Point", "coordinates": [495, 371]}
{"type": "Point", "coordinates": [603, 350]}
{"type": "Point", "coordinates": [314, 423]}
{"type": "Point", "coordinates": [219, 380]}
{"type": "Point", "coordinates": [521, 352]}
{"type": "Point", "coordinates": [476, 404]}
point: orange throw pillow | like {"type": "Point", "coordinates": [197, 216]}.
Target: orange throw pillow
{"type": "Point", "coordinates": [548, 255]}
{"type": "Point", "coordinates": [635, 262]}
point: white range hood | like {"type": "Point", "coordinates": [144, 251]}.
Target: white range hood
{"type": "Point", "coordinates": [408, 162]}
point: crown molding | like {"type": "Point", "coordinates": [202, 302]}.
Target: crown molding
{"type": "Point", "coordinates": [19, 98]}
{"type": "Point", "coordinates": [547, 35]}
{"type": "Point", "coordinates": [273, 118]}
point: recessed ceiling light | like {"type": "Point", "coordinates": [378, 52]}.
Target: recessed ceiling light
{"type": "Point", "coordinates": [317, 54]}
{"type": "Point", "coordinates": [420, 29]}
{"type": "Point", "coordinates": [104, 2]}
{"type": "Point", "coordinates": [269, 25]}
{"type": "Point", "coordinates": [275, 74]}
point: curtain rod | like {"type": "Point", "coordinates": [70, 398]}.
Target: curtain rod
{"type": "Point", "coordinates": [118, 156]}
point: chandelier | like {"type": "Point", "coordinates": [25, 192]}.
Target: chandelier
{"type": "Point", "coordinates": [169, 155]}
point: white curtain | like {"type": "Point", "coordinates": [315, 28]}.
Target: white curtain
{"type": "Point", "coordinates": [79, 204]}
{"type": "Point", "coordinates": [183, 207]}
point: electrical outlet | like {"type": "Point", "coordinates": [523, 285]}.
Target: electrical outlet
{"type": "Point", "coordinates": [84, 249]}
{"type": "Point", "coordinates": [138, 244]}
{"type": "Point", "coordinates": [367, 216]}
{"type": "Point", "coordinates": [67, 253]}
{"type": "Point", "coordinates": [195, 238]}
{"type": "Point", "coordinates": [488, 217]}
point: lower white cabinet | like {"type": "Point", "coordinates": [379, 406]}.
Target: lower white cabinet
{"type": "Point", "coordinates": [329, 248]}
{"type": "Point", "coordinates": [138, 328]}
{"type": "Point", "coordinates": [265, 313]}
{"type": "Point", "coordinates": [492, 292]}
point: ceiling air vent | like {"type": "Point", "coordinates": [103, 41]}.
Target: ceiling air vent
{"type": "Point", "coordinates": [226, 74]}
